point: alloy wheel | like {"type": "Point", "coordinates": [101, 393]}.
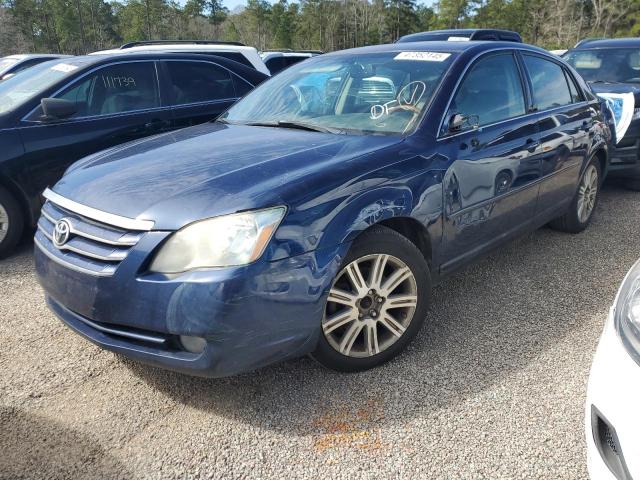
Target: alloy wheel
{"type": "Point", "coordinates": [587, 193]}
{"type": "Point", "coordinates": [4, 223]}
{"type": "Point", "coordinates": [370, 305]}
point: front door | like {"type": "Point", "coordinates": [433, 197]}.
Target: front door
{"type": "Point", "coordinates": [491, 186]}
{"type": "Point", "coordinates": [115, 104]}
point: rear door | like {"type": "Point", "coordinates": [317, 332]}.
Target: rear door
{"type": "Point", "coordinates": [199, 90]}
{"type": "Point", "coordinates": [491, 188]}
{"type": "Point", "coordinates": [564, 120]}
{"type": "Point", "coordinates": [115, 103]}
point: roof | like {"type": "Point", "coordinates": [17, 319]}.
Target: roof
{"type": "Point", "coordinates": [26, 56]}
{"type": "Point", "coordinates": [608, 43]}
{"type": "Point", "coordinates": [441, 46]}
{"type": "Point", "coordinates": [463, 34]}
{"type": "Point", "coordinates": [163, 47]}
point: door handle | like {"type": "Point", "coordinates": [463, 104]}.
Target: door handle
{"type": "Point", "coordinates": [532, 144]}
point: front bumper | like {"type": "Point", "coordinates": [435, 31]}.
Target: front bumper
{"type": "Point", "coordinates": [613, 407]}
{"type": "Point", "coordinates": [250, 316]}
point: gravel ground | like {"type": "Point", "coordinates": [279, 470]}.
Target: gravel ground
{"type": "Point", "coordinates": [493, 387]}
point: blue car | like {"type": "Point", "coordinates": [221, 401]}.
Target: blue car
{"type": "Point", "coordinates": [317, 213]}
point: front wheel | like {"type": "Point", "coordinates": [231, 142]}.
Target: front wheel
{"type": "Point", "coordinates": [11, 222]}
{"type": "Point", "coordinates": [377, 303]}
{"type": "Point", "coordinates": [580, 212]}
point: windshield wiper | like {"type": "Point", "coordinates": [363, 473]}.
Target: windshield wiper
{"type": "Point", "coordinates": [298, 125]}
{"type": "Point", "coordinates": [604, 81]}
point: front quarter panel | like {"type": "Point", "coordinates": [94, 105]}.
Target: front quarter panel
{"type": "Point", "coordinates": [409, 187]}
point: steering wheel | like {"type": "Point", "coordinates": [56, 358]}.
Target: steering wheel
{"type": "Point", "coordinates": [407, 99]}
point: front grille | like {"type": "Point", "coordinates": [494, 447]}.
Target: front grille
{"type": "Point", "coordinates": [93, 247]}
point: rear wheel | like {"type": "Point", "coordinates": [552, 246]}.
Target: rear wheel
{"type": "Point", "coordinates": [580, 212]}
{"type": "Point", "coordinates": [11, 222]}
{"type": "Point", "coordinates": [377, 303]}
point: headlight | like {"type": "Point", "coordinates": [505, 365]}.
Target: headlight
{"type": "Point", "coordinates": [225, 241]}
{"type": "Point", "coordinates": [627, 312]}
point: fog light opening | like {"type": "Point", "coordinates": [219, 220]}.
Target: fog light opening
{"type": "Point", "coordinates": [193, 344]}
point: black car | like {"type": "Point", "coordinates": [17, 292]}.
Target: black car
{"type": "Point", "coordinates": [13, 64]}
{"type": "Point", "coordinates": [612, 66]}
{"type": "Point", "coordinates": [60, 111]}
{"type": "Point", "coordinates": [462, 35]}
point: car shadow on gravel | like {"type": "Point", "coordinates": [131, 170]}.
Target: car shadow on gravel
{"type": "Point", "coordinates": [486, 323]}
{"type": "Point", "coordinates": [32, 446]}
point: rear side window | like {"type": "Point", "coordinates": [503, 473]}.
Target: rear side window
{"type": "Point", "coordinates": [276, 64]}
{"type": "Point", "coordinates": [550, 87]}
{"type": "Point", "coordinates": [119, 88]}
{"type": "Point", "coordinates": [492, 91]}
{"type": "Point", "coordinates": [198, 82]}
{"type": "Point", "coordinates": [575, 93]}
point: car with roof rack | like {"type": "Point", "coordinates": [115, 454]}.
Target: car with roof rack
{"type": "Point", "coordinates": [236, 51]}
{"type": "Point", "coordinates": [315, 215]}
{"type": "Point", "coordinates": [12, 64]}
{"type": "Point", "coordinates": [278, 60]}
{"type": "Point", "coordinates": [462, 35]}
{"type": "Point", "coordinates": [612, 69]}
{"type": "Point", "coordinates": [60, 111]}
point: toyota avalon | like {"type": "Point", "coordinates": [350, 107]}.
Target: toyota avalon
{"type": "Point", "coordinates": [317, 213]}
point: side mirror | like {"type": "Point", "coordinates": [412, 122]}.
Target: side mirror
{"type": "Point", "coordinates": [459, 122]}
{"type": "Point", "coordinates": [57, 108]}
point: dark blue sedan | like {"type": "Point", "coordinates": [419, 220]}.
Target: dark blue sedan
{"type": "Point", "coordinates": [315, 216]}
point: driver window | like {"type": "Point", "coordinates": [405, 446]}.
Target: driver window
{"type": "Point", "coordinates": [115, 89]}
{"type": "Point", "coordinates": [492, 91]}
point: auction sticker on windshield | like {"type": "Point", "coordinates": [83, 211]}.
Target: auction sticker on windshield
{"type": "Point", "coordinates": [423, 56]}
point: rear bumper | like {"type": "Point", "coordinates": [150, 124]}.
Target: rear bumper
{"type": "Point", "coordinates": [250, 316]}
{"type": "Point", "coordinates": [613, 392]}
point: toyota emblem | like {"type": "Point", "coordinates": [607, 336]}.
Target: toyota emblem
{"type": "Point", "coordinates": [61, 233]}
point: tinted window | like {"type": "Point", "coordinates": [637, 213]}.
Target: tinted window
{"type": "Point", "coordinates": [550, 88]}
{"type": "Point", "coordinates": [115, 89]}
{"type": "Point", "coordinates": [196, 82]}
{"type": "Point", "coordinates": [492, 90]}
{"type": "Point", "coordinates": [235, 56]}
{"type": "Point", "coordinates": [276, 64]}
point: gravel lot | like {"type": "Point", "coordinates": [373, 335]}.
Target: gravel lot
{"type": "Point", "coordinates": [492, 388]}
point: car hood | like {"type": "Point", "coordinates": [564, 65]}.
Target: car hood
{"type": "Point", "coordinates": [213, 169]}
{"type": "Point", "coordinates": [617, 88]}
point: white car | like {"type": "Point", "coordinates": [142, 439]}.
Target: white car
{"type": "Point", "coordinates": [612, 420]}
{"type": "Point", "coordinates": [232, 50]}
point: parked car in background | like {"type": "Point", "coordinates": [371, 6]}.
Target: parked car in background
{"type": "Point", "coordinates": [612, 68]}
{"type": "Point", "coordinates": [278, 60]}
{"type": "Point", "coordinates": [612, 417]}
{"type": "Point", "coordinates": [559, 53]}
{"type": "Point", "coordinates": [235, 51]}
{"type": "Point", "coordinates": [462, 35]}
{"type": "Point", "coordinates": [13, 64]}
{"type": "Point", "coordinates": [60, 111]}
{"type": "Point", "coordinates": [316, 214]}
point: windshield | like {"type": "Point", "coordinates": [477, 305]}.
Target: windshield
{"type": "Point", "coordinates": [375, 94]}
{"type": "Point", "coordinates": [33, 81]}
{"type": "Point", "coordinates": [6, 63]}
{"type": "Point", "coordinates": [618, 65]}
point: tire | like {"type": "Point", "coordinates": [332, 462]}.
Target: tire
{"type": "Point", "coordinates": [576, 220]}
{"type": "Point", "coordinates": [633, 184]}
{"type": "Point", "coordinates": [351, 317]}
{"type": "Point", "coordinates": [11, 223]}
